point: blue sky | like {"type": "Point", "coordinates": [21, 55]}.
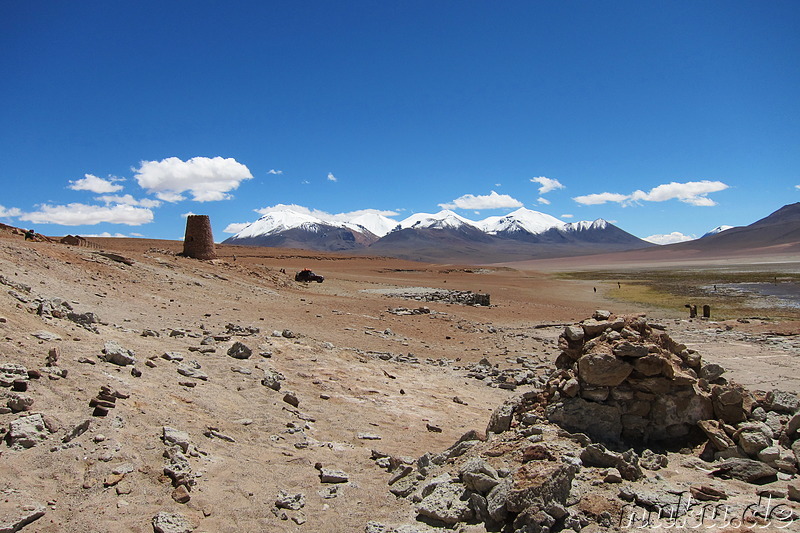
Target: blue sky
{"type": "Point", "coordinates": [662, 117]}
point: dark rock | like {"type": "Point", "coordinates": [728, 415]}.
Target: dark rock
{"type": "Point", "coordinates": [746, 470]}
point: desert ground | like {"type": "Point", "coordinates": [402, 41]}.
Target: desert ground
{"type": "Point", "coordinates": [362, 374]}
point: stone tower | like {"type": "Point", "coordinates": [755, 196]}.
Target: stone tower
{"type": "Point", "coordinates": [198, 241]}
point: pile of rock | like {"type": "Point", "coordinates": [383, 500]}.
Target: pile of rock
{"type": "Point", "coordinates": [623, 380]}
{"type": "Point", "coordinates": [106, 399]}
{"type": "Point", "coordinates": [620, 382]}
{"type": "Point", "coordinates": [177, 452]}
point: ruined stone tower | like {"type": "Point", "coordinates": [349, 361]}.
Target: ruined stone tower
{"type": "Point", "coordinates": [198, 241]}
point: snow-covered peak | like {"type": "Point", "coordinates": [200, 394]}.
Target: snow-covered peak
{"type": "Point", "coordinates": [277, 221]}
{"type": "Point", "coordinates": [520, 220]}
{"type": "Point", "coordinates": [374, 222]}
{"type": "Point", "coordinates": [584, 225]}
{"type": "Point", "coordinates": [718, 229]}
{"type": "Point", "coordinates": [441, 220]}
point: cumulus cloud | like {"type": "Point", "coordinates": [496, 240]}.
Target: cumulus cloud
{"type": "Point", "coordinates": [96, 185]}
{"type": "Point", "coordinates": [89, 215]}
{"type": "Point", "coordinates": [107, 234]}
{"type": "Point", "coordinates": [235, 227]}
{"type": "Point", "coordinates": [669, 238]}
{"type": "Point", "coordinates": [544, 201]}
{"type": "Point", "coordinates": [323, 215]}
{"type": "Point", "coordinates": [691, 192]}
{"type": "Point", "coordinates": [9, 212]}
{"type": "Point", "coordinates": [206, 179]}
{"type": "Point", "coordinates": [486, 201]}
{"type": "Point", "coordinates": [601, 198]}
{"type": "Point", "coordinates": [127, 199]}
{"type": "Point", "coordinates": [547, 184]}
{"type": "Point", "coordinates": [275, 172]}
{"type": "Point", "coordinates": [331, 177]}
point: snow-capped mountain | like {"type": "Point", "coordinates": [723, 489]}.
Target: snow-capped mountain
{"type": "Point", "coordinates": [524, 220]}
{"type": "Point", "coordinates": [718, 229]}
{"type": "Point", "coordinates": [523, 232]}
{"type": "Point", "coordinates": [278, 221]}
{"type": "Point", "coordinates": [442, 220]}
{"type": "Point", "coordinates": [376, 223]}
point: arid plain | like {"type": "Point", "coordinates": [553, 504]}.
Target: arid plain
{"type": "Point", "coordinates": [365, 375]}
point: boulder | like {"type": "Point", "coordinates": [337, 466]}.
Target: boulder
{"type": "Point", "coordinates": [114, 353]}
{"type": "Point", "coordinates": [27, 431]}
{"type": "Point", "coordinates": [711, 372]}
{"type": "Point", "coordinates": [628, 349]}
{"type": "Point", "coordinates": [728, 404]}
{"type": "Point", "coordinates": [746, 470]}
{"type": "Point", "coordinates": [172, 436]}
{"type": "Point", "coordinates": [165, 522]}
{"type": "Point", "coordinates": [716, 435]}
{"type": "Point", "coordinates": [603, 369]}
{"type": "Point", "coordinates": [574, 333]}
{"type": "Point", "coordinates": [500, 420]}
{"type": "Point", "coordinates": [539, 483]}
{"type": "Point", "coordinates": [447, 503]}
{"type": "Point", "coordinates": [784, 402]}
{"type": "Point", "coordinates": [478, 475]}
{"type": "Point", "coordinates": [627, 463]}
{"type": "Point", "coordinates": [239, 351]}
{"type": "Point", "coordinates": [600, 422]}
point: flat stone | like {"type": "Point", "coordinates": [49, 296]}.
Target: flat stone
{"type": "Point", "coordinates": [746, 470]}
{"type": "Point", "coordinates": [327, 475]}
{"type": "Point", "coordinates": [165, 522]}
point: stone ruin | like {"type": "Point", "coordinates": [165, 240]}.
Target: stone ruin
{"type": "Point", "coordinates": [198, 242]}
{"type": "Point", "coordinates": [622, 388]}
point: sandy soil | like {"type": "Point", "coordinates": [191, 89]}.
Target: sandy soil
{"type": "Point", "coordinates": [333, 366]}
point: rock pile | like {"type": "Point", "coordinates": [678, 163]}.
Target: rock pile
{"type": "Point", "coordinates": [620, 382]}
{"type": "Point", "coordinates": [623, 379]}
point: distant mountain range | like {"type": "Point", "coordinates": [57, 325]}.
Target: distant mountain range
{"type": "Point", "coordinates": [443, 236]}
{"type": "Point", "coordinates": [520, 235]}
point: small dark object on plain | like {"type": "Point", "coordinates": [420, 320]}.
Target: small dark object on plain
{"type": "Point", "coordinates": [308, 276]}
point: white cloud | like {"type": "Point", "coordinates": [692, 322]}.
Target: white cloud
{"type": "Point", "coordinates": [567, 215]}
{"type": "Point", "coordinates": [235, 227]}
{"type": "Point", "coordinates": [107, 234]}
{"type": "Point", "coordinates": [692, 193]}
{"type": "Point", "coordinates": [601, 198]}
{"type": "Point", "coordinates": [797, 186]}
{"type": "Point", "coordinates": [187, 215]}
{"type": "Point", "coordinates": [547, 184]}
{"type": "Point", "coordinates": [206, 179]}
{"type": "Point", "coordinates": [543, 200]}
{"type": "Point", "coordinates": [323, 215]}
{"type": "Point", "coordinates": [275, 172]}
{"type": "Point", "coordinates": [95, 184]}
{"type": "Point", "coordinates": [490, 201]}
{"type": "Point", "coordinates": [127, 199]}
{"type": "Point", "coordinates": [305, 182]}
{"type": "Point", "coordinates": [88, 215]}
{"type": "Point", "coordinates": [9, 212]}
{"type": "Point", "coordinates": [669, 238]}
{"type": "Point", "coordinates": [331, 177]}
